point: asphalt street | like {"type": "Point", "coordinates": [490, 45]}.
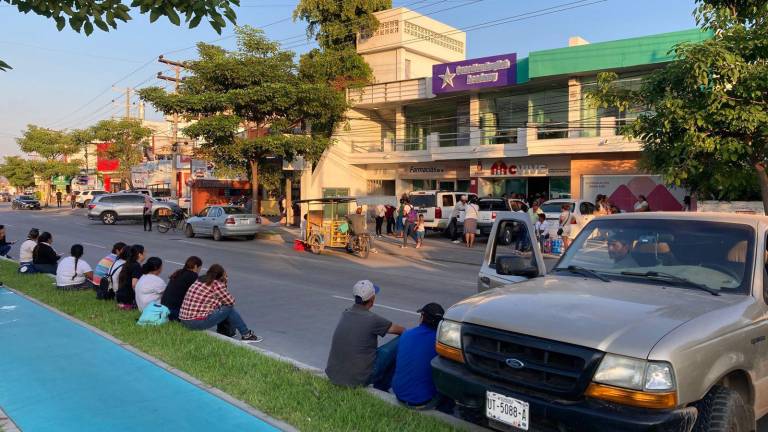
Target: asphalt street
{"type": "Point", "coordinates": [293, 299]}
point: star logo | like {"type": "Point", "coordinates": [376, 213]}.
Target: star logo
{"type": "Point", "coordinates": [447, 77]}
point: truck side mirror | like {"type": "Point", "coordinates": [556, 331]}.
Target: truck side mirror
{"type": "Point", "coordinates": [516, 266]}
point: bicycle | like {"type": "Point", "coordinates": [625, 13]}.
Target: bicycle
{"type": "Point", "coordinates": [174, 222]}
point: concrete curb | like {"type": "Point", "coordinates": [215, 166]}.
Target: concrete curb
{"type": "Point", "coordinates": [6, 424]}
{"type": "Point", "coordinates": [183, 375]}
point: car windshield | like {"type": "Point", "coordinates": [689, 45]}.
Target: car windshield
{"type": "Point", "coordinates": [555, 207]}
{"type": "Point", "coordinates": [27, 198]}
{"type": "Point", "coordinates": [714, 255]}
{"type": "Point", "coordinates": [423, 200]}
{"type": "Point", "coordinates": [233, 210]}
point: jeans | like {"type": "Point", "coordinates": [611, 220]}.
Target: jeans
{"type": "Point", "coordinates": [4, 249]}
{"type": "Point", "coordinates": [384, 366]}
{"type": "Point", "coordinates": [390, 225]}
{"type": "Point", "coordinates": [408, 228]}
{"type": "Point", "coordinates": [217, 316]}
{"type": "Point", "coordinates": [147, 221]}
{"type": "Point", "coordinates": [398, 225]}
{"type": "Point", "coordinates": [379, 223]}
{"type": "Point", "coordinates": [455, 232]}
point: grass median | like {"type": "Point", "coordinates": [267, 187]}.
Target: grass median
{"type": "Point", "coordinates": [306, 401]}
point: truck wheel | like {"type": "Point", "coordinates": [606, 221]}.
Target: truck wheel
{"type": "Point", "coordinates": [723, 410]}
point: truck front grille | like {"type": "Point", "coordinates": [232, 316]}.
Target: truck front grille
{"type": "Point", "coordinates": [544, 365]}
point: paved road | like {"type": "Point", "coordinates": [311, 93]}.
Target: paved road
{"type": "Point", "coordinates": [292, 299]}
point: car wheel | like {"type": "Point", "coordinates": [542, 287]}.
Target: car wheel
{"type": "Point", "coordinates": [315, 244]}
{"type": "Point", "coordinates": [250, 237]}
{"type": "Point", "coordinates": [723, 410]}
{"type": "Point", "coordinates": [188, 231]}
{"type": "Point", "coordinates": [109, 218]}
{"type": "Point", "coordinates": [217, 234]}
{"type": "Point", "coordinates": [85, 203]}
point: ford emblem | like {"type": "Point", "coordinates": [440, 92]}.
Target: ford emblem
{"type": "Point", "coordinates": [514, 363]}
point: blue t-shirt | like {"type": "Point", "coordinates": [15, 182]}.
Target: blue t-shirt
{"type": "Point", "coordinates": [412, 382]}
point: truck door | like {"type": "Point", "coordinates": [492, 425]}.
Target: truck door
{"type": "Point", "coordinates": [512, 239]}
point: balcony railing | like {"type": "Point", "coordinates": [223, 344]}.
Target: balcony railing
{"type": "Point", "coordinates": [395, 91]}
{"type": "Point", "coordinates": [501, 136]}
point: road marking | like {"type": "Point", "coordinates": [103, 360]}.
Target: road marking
{"type": "Point", "coordinates": [174, 262]}
{"type": "Point", "coordinates": [94, 245]}
{"type": "Point", "coordinates": [378, 305]}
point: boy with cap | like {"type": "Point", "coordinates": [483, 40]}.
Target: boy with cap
{"type": "Point", "coordinates": [355, 360]}
{"type": "Point", "coordinates": [412, 382]}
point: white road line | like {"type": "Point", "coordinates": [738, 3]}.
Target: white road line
{"type": "Point", "coordinates": [94, 245]}
{"type": "Point", "coordinates": [378, 305]}
{"type": "Point", "coordinates": [174, 262]}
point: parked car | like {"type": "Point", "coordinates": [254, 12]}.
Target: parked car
{"type": "Point", "coordinates": [582, 211]}
{"type": "Point", "coordinates": [222, 221]}
{"type": "Point", "coordinates": [490, 209]}
{"type": "Point", "coordinates": [111, 208]}
{"type": "Point", "coordinates": [437, 206]}
{"type": "Point", "coordinates": [25, 202]}
{"type": "Point", "coordinates": [649, 322]}
{"type": "Point", "coordinates": [85, 197]}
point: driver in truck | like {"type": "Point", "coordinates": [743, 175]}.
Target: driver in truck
{"type": "Point", "coordinates": [619, 245]}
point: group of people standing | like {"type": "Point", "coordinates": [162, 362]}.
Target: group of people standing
{"type": "Point", "coordinates": [466, 212]}
{"type": "Point", "coordinates": [134, 281]}
{"type": "Point", "coordinates": [403, 221]}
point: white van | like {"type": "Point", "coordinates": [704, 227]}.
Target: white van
{"type": "Point", "coordinates": [436, 206]}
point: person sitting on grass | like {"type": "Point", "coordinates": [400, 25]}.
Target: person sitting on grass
{"type": "Point", "coordinates": [102, 267]}
{"type": "Point", "coordinates": [129, 277]}
{"type": "Point", "coordinates": [150, 286]}
{"type": "Point", "coordinates": [44, 257]}
{"type": "Point", "coordinates": [208, 303]}
{"type": "Point", "coordinates": [354, 359]}
{"type": "Point", "coordinates": [73, 273]}
{"type": "Point", "coordinates": [178, 285]}
{"type": "Point", "coordinates": [25, 251]}
{"type": "Point", "coordinates": [5, 245]}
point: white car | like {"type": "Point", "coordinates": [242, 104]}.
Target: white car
{"type": "Point", "coordinates": [85, 197]}
{"type": "Point", "coordinates": [582, 211]}
{"type": "Point", "coordinates": [436, 206]}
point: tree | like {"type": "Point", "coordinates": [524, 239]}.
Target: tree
{"type": "Point", "coordinates": [19, 172]}
{"type": "Point", "coordinates": [52, 146]}
{"type": "Point", "coordinates": [704, 123]}
{"type": "Point", "coordinates": [251, 104]}
{"type": "Point", "coordinates": [127, 140]}
{"type": "Point", "coordinates": [83, 15]}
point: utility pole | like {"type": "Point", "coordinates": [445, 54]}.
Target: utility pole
{"type": "Point", "coordinates": [127, 102]}
{"type": "Point", "coordinates": [177, 67]}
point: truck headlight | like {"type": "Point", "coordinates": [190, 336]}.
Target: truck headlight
{"type": "Point", "coordinates": [449, 341]}
{"type": "Point", "coordinates": [636, 382]}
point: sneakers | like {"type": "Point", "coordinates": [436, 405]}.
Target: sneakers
{"type": "Point", "coordinates": [456, 241]}
{"type": "Point", "coordinates": [250, 336]}
{"type": "Point", "coordinates": [403, 247]}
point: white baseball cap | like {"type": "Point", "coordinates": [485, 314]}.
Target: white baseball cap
{"type": "Point", "coordinates": [365, 289]}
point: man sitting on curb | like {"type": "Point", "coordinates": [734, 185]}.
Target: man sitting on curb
{"type": "Point", "coordinates": [412, 382]}
{"type": "Point", "coordinates": [354, 359]}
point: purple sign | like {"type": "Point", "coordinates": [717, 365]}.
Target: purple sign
{"type": "Point", "coordinates": [494, 71]}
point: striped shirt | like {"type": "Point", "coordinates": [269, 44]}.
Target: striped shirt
{"type": "Point", "coordinates": [202, 299]}
{"type": "Point", "coordinates": [102, 268]}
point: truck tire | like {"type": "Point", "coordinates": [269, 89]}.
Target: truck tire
{"type": "Point", "coordinates": [723, 410]}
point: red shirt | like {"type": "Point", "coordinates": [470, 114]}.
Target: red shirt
{"type": "Point", "coordinates": [202, 299]}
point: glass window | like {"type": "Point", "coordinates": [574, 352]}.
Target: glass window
{"type": "Point", "coordinates": [512, 239]}
{"type": "Point", "coordinates": [447, 185]}
{"type": "Point", "coordinates": [462, 185]}
{"type": "Point", "coordinates": [492, 205]}
{"type": "Point", "coordinates": [429, 200]}
{"type": "Point", "coordinates": [667, 252]}
{"type": "Point", "coordinates": [448, 200]}
{"type": "Point", "coordinates": [420, 185]}
{"type": "Point", "coordinates": [549, 112]}
{"type": "Point", "coordinates": [501, 115]}
{"type": "Point", "coordinates": [423, 120]}
{"type": "Point", "coordinates": [559, 187]}
{"type": "Point", "coordinates": [342, 209]}
{"type": "Point", "coordinates": [234, 210]}
{"type": "Point", "coordinates": [203, 212]}
{"type": "Point", "coordinates": [555, 207]}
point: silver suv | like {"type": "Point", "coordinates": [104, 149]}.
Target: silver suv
{"type": "Point", "coordinates": [649, 322]}
{"type": "Point", "coordinates": [110, 208]}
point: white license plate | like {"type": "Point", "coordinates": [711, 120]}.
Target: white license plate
{"type": "Point", "coordinates": [507, 410]}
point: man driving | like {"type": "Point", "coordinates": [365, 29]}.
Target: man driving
{"type": "Point", "coordinates": [356, 221]}
{"type": "Point", "coordinates": [619, 247]}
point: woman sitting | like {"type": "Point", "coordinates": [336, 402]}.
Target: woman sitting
{"type": "Point", "coordinates": [150, 286]}
{"type": "Point", "coordinates": [179, 284]}
{"type": "Point", "coordinates": [25, 252]}
{"type": "Point", "coordinates": [129, 275]}
{"type": "Point", "coordinates": [73, 273]}
{"type": "Point", "coordinates": [44, 258]}
{"type": "Point", "coordinates": [208, 302]}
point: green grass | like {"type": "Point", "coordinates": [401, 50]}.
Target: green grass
{"type": "Point", "coordinates": [308, 402]}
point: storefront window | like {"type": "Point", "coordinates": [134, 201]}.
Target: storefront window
{"type": "Point", "coordinates": [559, 187]}
{"type": "Point", "coordinates": [462, 185]}
{"type": "Point", "coordinates": [447, 185]}
{"type": "Point", "coordinates": [419, 185]}
{"type": "Point", "coordinates": [549, 112]}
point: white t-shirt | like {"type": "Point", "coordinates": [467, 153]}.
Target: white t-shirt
{"type": "Point", "coordinates": [149, 289]}
{"type": "Point", "coordinates": [471, 212]}
{"type": "Point", "coordinates": [25, 254]}
{"type": "Point", "coordinates": [117, 267]}
{"type": "Point", "coordinates": [66, 270]}
{"type": "Point", "coordinates": [542, 227]}
{"type": "Point", "coordinates": [458, 211]}
{"type": "Point", "coordinates": [381, 211]}
{"type": "Point", "coordinates": [406, 210]}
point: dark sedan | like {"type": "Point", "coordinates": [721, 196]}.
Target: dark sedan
{"type": "Point", "coordinates": [25, 202]}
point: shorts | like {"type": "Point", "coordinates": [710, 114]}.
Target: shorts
{"type": "Point", "coordinates": [470, 226]}
{"type": "Point", "coordinates": [419, 235]}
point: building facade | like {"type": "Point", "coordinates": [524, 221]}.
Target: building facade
{"type": "Point", "coordinates": [495, 125]}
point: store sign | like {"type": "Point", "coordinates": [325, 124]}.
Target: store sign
{"type": "Point", "coordinates": [500, 168]}
{"type": "Point", "coordinates": [432, 171]}
{"type": "Point", "coordinates": [494, 71]}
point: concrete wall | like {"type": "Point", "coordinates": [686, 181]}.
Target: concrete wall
{"type": "Point", "coordinates": [604, 163]}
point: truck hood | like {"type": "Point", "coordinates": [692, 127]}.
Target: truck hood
{"type": "Point", "coordinates": [619, 317]}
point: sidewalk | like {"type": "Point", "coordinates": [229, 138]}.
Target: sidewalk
{"type": "Point", "coordinates": [58, 375]}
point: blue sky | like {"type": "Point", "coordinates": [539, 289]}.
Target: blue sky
{"type": "Point", "coordinates": [64, 79]}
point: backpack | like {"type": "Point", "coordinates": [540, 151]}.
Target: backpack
{"type": "Point", "coordinates": [413, 215]}
{"type": "Point", "coordinates": [154, 314]}
{"type": "Point", "coordinates": [105, 290]}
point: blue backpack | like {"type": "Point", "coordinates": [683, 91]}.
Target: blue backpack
{"type": "Point", "coordinates": [154, 314]}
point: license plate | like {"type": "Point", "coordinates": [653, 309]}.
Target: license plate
{"type": "Point", "coordinates": [507, 410]}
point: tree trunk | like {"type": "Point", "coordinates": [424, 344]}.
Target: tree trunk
{"type": "Point", "coordinates": [762, 179]}
{"type": "Point", "coordinates": [288, 200]}
{"type": "Point", "coordinates": [255, 197]}
{"type": "Point", "coordinates": [47, 188]}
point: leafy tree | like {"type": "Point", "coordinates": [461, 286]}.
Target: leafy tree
{"type": "Point", "coordinates": [19, 172]}
{"type": "Point", "coordinates": [127, 140]}
{"type": "Point", "coordinates": [705, 120]}
{"type": "Point", "coordinates": [83, 15]}
{"type": "Point", "coordinates": [52, 147]}
{"type": "Point", "coordinates": [251, 104]}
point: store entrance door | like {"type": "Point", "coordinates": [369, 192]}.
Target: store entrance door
{"type": "Point", "coordinates": [538, 186]}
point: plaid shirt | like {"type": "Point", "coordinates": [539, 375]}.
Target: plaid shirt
{"type": "Point", "coordinates": [202, 299]}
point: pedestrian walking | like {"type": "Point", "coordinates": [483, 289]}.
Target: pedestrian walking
{"type": "Point", "coordinates": [58, 198]}
{"type": "Point", "coordinates": [73, 199]}
{"type": "Point", "coordinates": [410, 216]}
{"type": "Point", "coordinates": [381, 213]}
{"type": "Point", "coordinates": [470, 222]}
{"type": "Point", "coordinates": [399, 218]}
{"type": "Point", "coordinates": [390, 216]}
{"type": "Point", "coordinates": [147, 213]}
{"type": "Point", "coordinates": [457, 216]}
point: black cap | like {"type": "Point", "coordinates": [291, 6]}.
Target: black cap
{"type": "Point", "coordinates": [432, 312]}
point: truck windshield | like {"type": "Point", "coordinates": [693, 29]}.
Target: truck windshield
{"type": "Point", "coordinates": [715, 255]}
